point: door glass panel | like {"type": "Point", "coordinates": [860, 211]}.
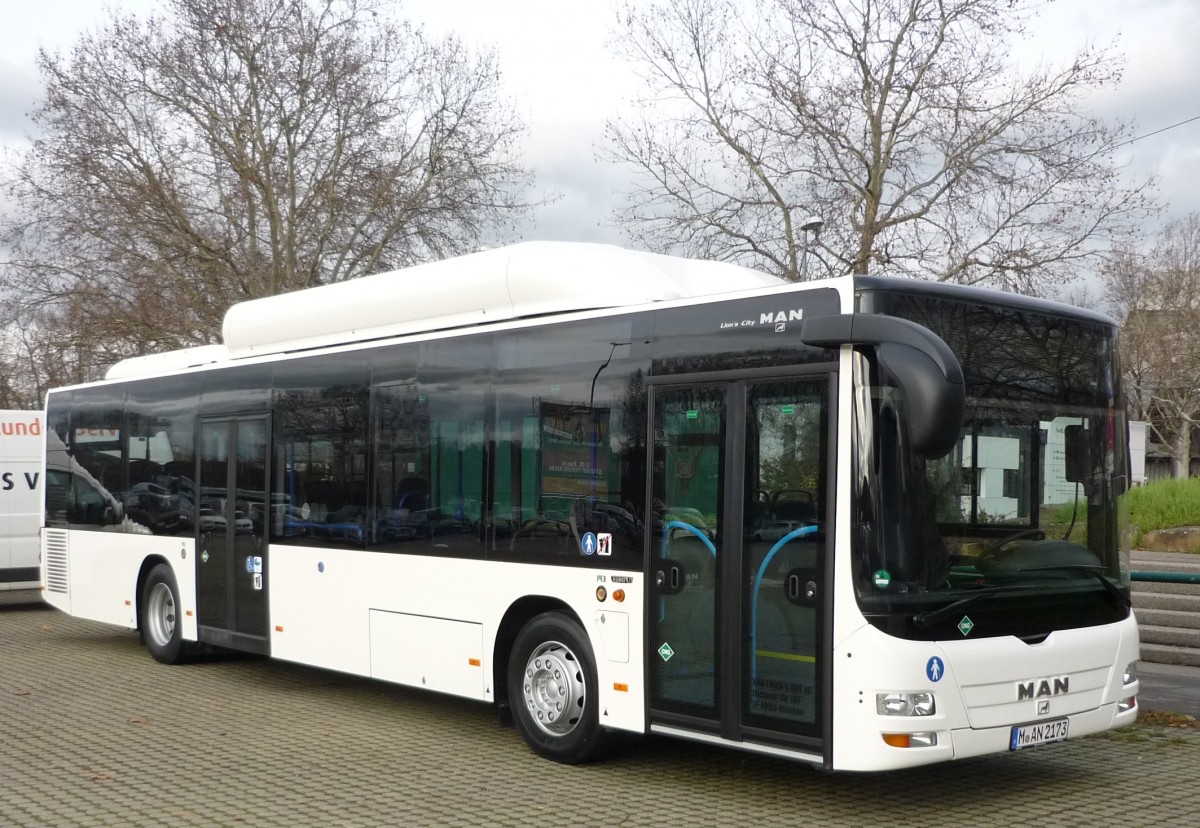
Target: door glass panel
{"type": "Point", "coordinates": [246, 535]}
{"type": "Point", "coordinates": [214, 560]}
{"type": "Point", "coordinates": [783, 540]}
{"type": "Point", "coordinates": [687, 498]}
{"type": "Point", "coordinates": [232, 564]}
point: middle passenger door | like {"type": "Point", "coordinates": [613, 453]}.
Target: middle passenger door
{"type": "Point", "coordinates": [737, 576]}
{"type": "Point", "coordinates": [231, 562]}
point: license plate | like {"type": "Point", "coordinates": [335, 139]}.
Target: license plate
{"type": "Point", "coordinates": [1041, 733]}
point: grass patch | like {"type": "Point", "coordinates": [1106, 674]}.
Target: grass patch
{"type": "Point", "coordinates": [1163, 504]}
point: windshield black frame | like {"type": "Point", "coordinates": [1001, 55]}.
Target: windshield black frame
{"type": "Point", "coordinates": [1027, 540]}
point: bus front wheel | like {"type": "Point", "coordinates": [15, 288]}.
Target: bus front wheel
{"type": "Point", "coordinates": [553, 690]}
{"type": "Point", "coordinates": [160, 617]}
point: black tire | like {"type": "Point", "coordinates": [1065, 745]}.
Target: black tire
{"type": "Point", "coordinates": [553, 691]}
{"type": "Point", "coordinates": [160, 625]}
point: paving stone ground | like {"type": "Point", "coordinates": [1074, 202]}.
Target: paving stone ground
{"type": "Point", "coordinates": [93, 732]}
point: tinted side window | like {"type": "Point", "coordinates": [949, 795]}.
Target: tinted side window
{"type": "Point", "coordinates": [319, 487]}
{"type": "Point", "coordinates": [570, 450]}
{"type": "Point", "coordinates": [92, 458]}
{"type": "Point", "coordinates": [402, 491]}
{"type": "Point", "coordinates": [454, 378]}
{"type": "Point", "coordinates": [160, 417]}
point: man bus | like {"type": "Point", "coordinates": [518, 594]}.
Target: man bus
{"type": "Point", "coordinates": [865, 523]}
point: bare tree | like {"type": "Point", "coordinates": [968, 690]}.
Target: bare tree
{"type": "Point", "coordinates": [231, 149]}
{"type": "Point", "coordinates": [42, 352]}
{"type": "Point", "coordinates": [901, 122]}
{"type": "Point", "coordinates": [1158, 296]}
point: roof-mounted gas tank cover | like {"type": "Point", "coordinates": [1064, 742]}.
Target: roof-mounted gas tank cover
{"type": "Point", "coordinates": [519, 281]}
{"type": "Point", "coordinates": [923, 365]}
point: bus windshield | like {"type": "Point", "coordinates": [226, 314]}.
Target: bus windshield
{"type": "Point", "coordinates": [1019, 529]}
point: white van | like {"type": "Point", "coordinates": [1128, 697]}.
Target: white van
{"type": "Point", "coordinates": [21, 450]}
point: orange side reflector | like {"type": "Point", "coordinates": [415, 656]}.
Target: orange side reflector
{"type": "Point", "coordinates": [189, 613]}
{"type": "Point", "coordinates": [474, 662]}
{"type": "Point", "coordinates": [278, 628]}
{"type": "Point", "coordinates": [129, 603]}
{"type": "Point", "coordinates": [620, 688]}
{"type": "Point", "coordinates": [900, 740]}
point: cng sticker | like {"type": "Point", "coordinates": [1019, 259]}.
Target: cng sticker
{"type": "Point", "coordinates": [666, 652]}
{"type": "Point", "coordinates": [966, 625]}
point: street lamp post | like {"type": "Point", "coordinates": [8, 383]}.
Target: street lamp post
{"type": "Point", "coordinates": [813, 225]}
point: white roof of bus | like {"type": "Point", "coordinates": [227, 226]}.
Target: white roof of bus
{"type": "Point", "coordinates": [522, 280]}
{"type": "Point", "coordinates": [167, 361]}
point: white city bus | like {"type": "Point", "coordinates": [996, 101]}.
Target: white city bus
{"type": "Point", "coordinates": [864, 523]}
{"type": "Point", "coordinates": [21, 452]}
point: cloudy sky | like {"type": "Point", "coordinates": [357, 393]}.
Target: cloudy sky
{"type": "Point", "coordinates": [565, 83]}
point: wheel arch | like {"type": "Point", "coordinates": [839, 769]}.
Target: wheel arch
{"type": "Point", "coordinates": [519, 613]}
{"type": "Point", "coordinates": [148, 564]}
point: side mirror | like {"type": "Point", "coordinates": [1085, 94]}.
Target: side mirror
{"type": "Point", "coordinates": [924, 366]}
{"type": "Point", "coordinates": [1077, 454]}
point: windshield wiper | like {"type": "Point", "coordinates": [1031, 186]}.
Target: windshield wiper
{"type": "Point", "coordinates": [1112, 589]}
{"type": "Point", "coordinates": [928, 618]}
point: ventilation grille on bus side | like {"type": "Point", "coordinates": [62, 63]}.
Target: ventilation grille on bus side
{"type": "Point", "coordinates": [57, 561]}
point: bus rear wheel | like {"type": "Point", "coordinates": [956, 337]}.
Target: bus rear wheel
{"type": "Point", "coordinates": [161, 629]}
{"type": "Point", "coordinates": [552, 688]}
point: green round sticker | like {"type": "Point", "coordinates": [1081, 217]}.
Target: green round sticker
{"type": "Point", "coordinates": [882, 578]}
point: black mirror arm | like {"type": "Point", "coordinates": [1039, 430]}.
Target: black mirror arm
{"type": "Point", "coordinates": [876, 329]}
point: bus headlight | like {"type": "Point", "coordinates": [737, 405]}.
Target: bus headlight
{"type": "Point", "coordinates": [1130, 674]}
{"type": "Point", "coordinates": [905, 704]}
